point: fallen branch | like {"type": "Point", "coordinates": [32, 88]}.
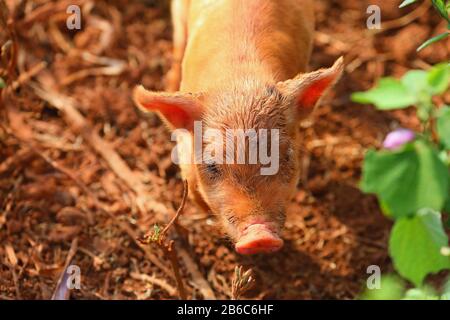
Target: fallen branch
{"type": "Point", "coordinates": [24, 135]}
{"type": "Point", "coordinates": [159, 236]}
{"type": "Point", "coordinates": [153, 280]}
{"type": "Point", "coordinates": [197, 277]}
{"type": "Point", "coordinates": [167, 247]}
{"type": "Point", "coordinates": [78, 124]}
{"type": "Point", "coordinates": [7, 24]}
{"type": "Point", "coordinates": [12, 263]}
{"type": "Point", "coordinates": [43, 12]}
{"type": "Point", "coordinates": [404, 20]}
{"type": "Point", "coordinates": [21, 156]}
{"type": "Point", "coordinates": [111, 67]}
{"type": "Point", "coordinates": [62, 292]}
{"type": "Point", "coordinates": [24, 77]}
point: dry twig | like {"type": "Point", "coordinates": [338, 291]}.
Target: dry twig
{"type": "Point", "coordinates": [17, 122]}
{"type": "Point", "coordinates": [154, 280]}
{"type": "Point", "coordinates": [45, 11]}
{"type": "Point", "coordinates": [404, 20]}
{"type": "Point", "coordinates": [62, 292]}
{"type": "Point", "coordinates": [197, 277]}
{"type": "Point", "coordinates": [78, 124]}
{"type": "Point", "coordinates": [12, 263]}
{"type": "Point", "coordinates": [169, 251]}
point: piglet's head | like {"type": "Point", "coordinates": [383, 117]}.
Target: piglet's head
{"type": "Point", "coordinates": [249, 167]}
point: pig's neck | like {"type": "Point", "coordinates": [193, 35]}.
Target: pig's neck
{"type": "Point", "coordinates": [239, 43]}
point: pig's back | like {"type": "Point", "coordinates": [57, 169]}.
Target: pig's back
{"type": "Point", "coordinates": [270, 39]}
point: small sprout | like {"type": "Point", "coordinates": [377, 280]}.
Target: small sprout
{"type": "Point", "coordinates": [154, 236]}
{"type": "Point", "coordinates": [156, 233]}
{"type": "Point", "coordinates": [398, 138]}
{"type": "Point", "coordinates": [241, 282]}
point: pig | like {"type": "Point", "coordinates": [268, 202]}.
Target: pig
{"type": "Point", "coordinates": [241, 65]}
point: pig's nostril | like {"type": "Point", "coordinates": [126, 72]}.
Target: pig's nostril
{"type": "Point", "coordinates": [258, 239]}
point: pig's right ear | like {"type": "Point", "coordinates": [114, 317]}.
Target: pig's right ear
{"type": "Point", "coordinates": [306, 90]}
{"type": "Point", "coordinates": [177, 110]}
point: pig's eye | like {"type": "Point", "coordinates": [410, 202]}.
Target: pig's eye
{"type": "Point", "coordinates": [232, 219]}
{"type": "Point", "coordinates": [212, 169]}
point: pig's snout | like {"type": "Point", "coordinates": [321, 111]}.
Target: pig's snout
{"type": "Point", "coordinates": [258, 238]}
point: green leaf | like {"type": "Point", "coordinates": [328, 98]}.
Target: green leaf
{"type": "Point", "coordinates": [444, 155]}
{"type": "Point", "coordinates": [421, 294]}
{"type": "Point", "coordinates": [2, 83]}
{"type": "Point", "coordinates": [407, 179]}
{"type": "Point", "coordinates": [443, 126]}
{"type": "Point", "coordinates": [438, 78]}
{"type": "Point", "coordinates": [445, 296]}
{"type": "Point", "coordinates": [391, 288]}
{"type": "Point", "coordinates": [397, 177]}
{"type": "Point", "coordinates": [447, 208]}
{"type": "Point", "coordinates": [406, 3]}
{"type": "Point", "coordinates": [446, 290]}
{"type": "Point", "coordinates": [441, 8]}
{"type": "Point", "coordinates": [437, 38]}
{"type": "Point", "coordinates": [415, 81]}
{"type": "Point", "coordinates": [415, 245]}
{"type": "Point", "coordinates": [389, 94]}
{"type": "Point", "coordinates": [385, 209]}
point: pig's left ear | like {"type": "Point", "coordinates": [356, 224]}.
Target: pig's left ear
{"type": "Point", "coordinates": [177, 110]}
{"type": "Point", "coordinates": [306, 89]}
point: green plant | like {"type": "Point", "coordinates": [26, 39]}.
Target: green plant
{"type": "Point", "coordinates": [443, 8]}
{"type": "Point", "coordinates": [394, 288]}
{"type": "Point", "coordinates": [410, 175]}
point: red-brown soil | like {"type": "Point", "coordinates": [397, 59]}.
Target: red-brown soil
{"type": "Point", "coordinates": [333, 231]}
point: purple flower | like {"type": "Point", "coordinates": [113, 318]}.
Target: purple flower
{"type": "Point", "coordinates": [398, 138]}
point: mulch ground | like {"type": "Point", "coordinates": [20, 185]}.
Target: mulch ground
{"type": "Point", "coordinates": [79, 166]}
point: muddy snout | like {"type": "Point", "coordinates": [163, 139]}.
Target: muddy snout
{"type": "Point", "coordinates": [258, 238]}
